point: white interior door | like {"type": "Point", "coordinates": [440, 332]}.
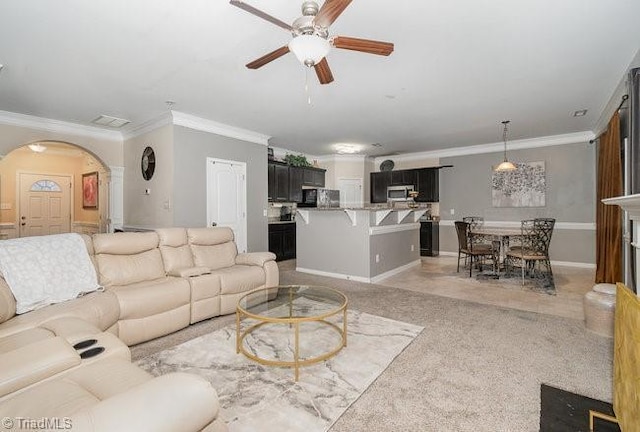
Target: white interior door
{"type": "Point", "coordinates": [350, 192]}
{"type": "Point", "coordinates": [226, 197]}
{"type": "Point", "coordinates": [45, 204]}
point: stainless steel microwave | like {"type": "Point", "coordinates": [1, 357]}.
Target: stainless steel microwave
{"type": "Point", "coordinates": [399, 193]}
{"type": "Point", "coordinates": [320, 197]}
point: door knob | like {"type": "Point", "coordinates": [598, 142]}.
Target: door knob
{"type": "Point", "coordinates": [214, 224]}
{"type": "Point", "coordinates": [23, 217]}
{"type": "Point", "coordinates": [23, 223]}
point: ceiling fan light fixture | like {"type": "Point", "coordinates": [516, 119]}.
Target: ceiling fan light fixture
{"type": "Point", "coordinates": [37, 147]}
{"type": "Point", "coordinates": [309, 49]}
{"type": "Point", "coordinates": [347, 148]}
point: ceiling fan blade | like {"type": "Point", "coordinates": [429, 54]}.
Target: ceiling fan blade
{"type": "Point", "coordinates": [330, 11]}
{"type": "Point", "coordinates": [267, 58]}
{"type": "Point", "coordinates": [324, 71]}
{"type": "Point", "coordinates": [363, 45]}
{"type": "Point", "coordinates": [242, 5]}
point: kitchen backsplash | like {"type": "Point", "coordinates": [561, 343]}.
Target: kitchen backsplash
{"type": "Point", "coordinates": [279, 211]}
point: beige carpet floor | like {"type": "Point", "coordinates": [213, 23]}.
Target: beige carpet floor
{"type": "Point", "coordinates": [475, 367]}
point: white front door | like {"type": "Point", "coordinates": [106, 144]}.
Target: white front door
{"type": "Point", "coordinates": [226, 198]}
{"type": "Point", "coordinates": [350, 192]}
{"type": "Point", "coordinates": [45, 204]}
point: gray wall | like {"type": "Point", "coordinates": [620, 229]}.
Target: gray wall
{"type": "Point", "coordinates": [329, 243]}
{"type": "Point", "coordinates": [191, 149]}
{"type": "Point", "coordinates": [570, 197]}
{"type": "Point", "coordinates": [394, 250]}
{"type": "Point", "coordinates": [142, 210]}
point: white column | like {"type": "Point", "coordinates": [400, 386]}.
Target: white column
{"type": "Point", "coordinates": [116, 198]}
{"type": "Point", "coordinates": [631, 204]}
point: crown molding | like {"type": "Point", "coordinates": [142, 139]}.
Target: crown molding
{"type": "Point", "coordinates": [616, 97]}
{"type": "Point", "coordinates": [281, 152]}
{"type": "Point", "coordinates": [57, 126]}
{"type": "Point", "coordinates": [148, 126]}
{"type": "Point", "coordinates": [204, 125]}
{"type": "Point", "coordinates": [548, 141]}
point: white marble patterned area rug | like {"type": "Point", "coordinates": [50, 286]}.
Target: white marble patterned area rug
{"type": "Point", "coordinates": [261, 398]}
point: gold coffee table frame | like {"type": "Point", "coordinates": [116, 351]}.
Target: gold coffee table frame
{"type": "Point", "coordinates": [263, 296]}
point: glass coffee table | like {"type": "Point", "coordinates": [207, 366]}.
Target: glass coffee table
{"type": "Point", "coordinates": [291, 326]}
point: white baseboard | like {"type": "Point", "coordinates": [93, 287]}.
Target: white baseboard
{"type": "Point", "coordinates": [364, 279]}
{"type": "Point", "coordinates": [573, 264]}
{"type": "Point", "coordinates": [333, 275]}
{"type": "Point", "coordinates": [395, 271]}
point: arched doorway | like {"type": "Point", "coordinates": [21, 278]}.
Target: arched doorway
{"type": "Point", "coordinates": [53, 187]}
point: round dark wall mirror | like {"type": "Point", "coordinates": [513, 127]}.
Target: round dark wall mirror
{"type": "Point", "coordinates": [148, 163]}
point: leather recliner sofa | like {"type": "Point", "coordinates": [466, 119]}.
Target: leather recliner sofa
{"type": "Point", "coordinates": [155, 283]}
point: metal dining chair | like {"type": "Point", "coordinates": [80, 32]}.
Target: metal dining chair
{"type": "Point", "coordinates": [526, 228]}
{"type": "Point", "coordinates": [533, 251]}
{"type": "Point", "coordinates": [472, 251]}
{"type": "Point", "coordinates": [475, 223]}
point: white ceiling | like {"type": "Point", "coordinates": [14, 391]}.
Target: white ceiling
{"type": "Point", "coordinates": [459, 68]}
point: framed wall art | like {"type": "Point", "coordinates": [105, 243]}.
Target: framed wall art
{"type": "Point", "coordinates": [524, 187]}
{"type": "Point", "coordinates": [90, 190]}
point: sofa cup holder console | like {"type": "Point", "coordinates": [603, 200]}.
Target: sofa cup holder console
{"type": "Point", "coordinates": [85, 353]}
{"type": "Point", "coordinates": [85, 344]}
{"type": "Point", "coordinates": [91, 352]}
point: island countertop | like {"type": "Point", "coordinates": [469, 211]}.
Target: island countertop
{"type": "Point", "coordinates": [378, 215]}
{"type": "Point", "coordinates": [369, 207]}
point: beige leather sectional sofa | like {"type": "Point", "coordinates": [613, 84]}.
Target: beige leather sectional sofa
{"type": "Point", "coordinates": [155, 283]}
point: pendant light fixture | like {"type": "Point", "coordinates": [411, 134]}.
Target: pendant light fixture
{"type": "Point", "coordinates": [505, 165]}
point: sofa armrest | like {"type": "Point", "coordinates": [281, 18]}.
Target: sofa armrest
{"type": "Point", "coordinates": [189, 272]}
{"type": "Point", "coordinates": [168, 403]}
{"type": "Point", "coordinates": [34, 362]}
{"type": "Point", "coordinates": [255, 258]}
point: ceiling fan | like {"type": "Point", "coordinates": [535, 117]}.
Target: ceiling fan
{"type": "Point", "coordinates": [311, 41]}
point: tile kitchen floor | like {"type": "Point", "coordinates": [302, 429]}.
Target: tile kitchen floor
{"type": "Point", "coordinates": [438, 276]}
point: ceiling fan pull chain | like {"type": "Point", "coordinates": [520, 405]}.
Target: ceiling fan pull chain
{"type": "Point", "coordinates": [306, 85]}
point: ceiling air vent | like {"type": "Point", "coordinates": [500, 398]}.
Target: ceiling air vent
{"type": "Point", "coordinates": [113, 122]}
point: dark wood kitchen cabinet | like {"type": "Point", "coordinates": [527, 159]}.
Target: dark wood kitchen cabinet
{"type": "Point", "coordinates": [424, 180]}
{"type": "Point", "coordinates": [427, 184]}
{"type": "Point", "coordinates": [278, 182]}
{"type": "Point", "coordinates": [379, 183]}
{"type": "Point", "coordinates": [271, 181]}
{"type": "Point", "coordinates": [285, 182]}
{"type": "Point", "coordinates": [403, 177]}
{"type": "Point", "coordinates": [282, 240]}
{"type": "Point", "coordinates": [313, 177]}
{"type": "Point", "coordinates": [296, 175]}
{"type": "Point", "coordinates": [429, 238]}
{"type": "Point", "coordinates": [282, 183]}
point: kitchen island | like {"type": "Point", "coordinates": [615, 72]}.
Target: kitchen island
{"type": "Point", "coordinates": [364, 244]}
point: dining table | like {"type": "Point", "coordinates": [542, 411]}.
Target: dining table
{"type": "Point", "coordinates": [500, 238]}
